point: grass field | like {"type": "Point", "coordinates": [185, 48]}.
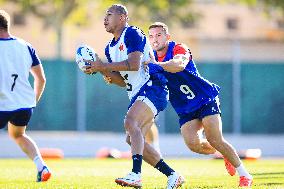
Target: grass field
{"type": "Point", "coordinates": [100, 174]}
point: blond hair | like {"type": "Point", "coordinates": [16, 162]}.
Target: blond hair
{"type": "Point", "coordinates": [160, 25]}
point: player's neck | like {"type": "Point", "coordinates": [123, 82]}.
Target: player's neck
{"type": "Point", "coordinates": [4, 34]}
{"type": "Point", "coordinates": [162, 52]}
{"type": "Point", "coordinates": [118, 32]}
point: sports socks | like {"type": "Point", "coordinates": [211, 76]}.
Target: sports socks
{"type": "Point", "coordinates": [243, 172]}
{"type": "Point", "coordinates": [137, 163]}
{"type": "Point", "coordinates": [164, 168]}
{"type": "Point", "coordinates": [39, 163]}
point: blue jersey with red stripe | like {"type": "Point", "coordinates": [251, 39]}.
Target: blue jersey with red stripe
{"type": "Point", "coordinates": [188, 89]}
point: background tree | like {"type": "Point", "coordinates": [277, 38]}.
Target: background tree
{"type": "Point", "coordinates": [143, 12]}
{"type": "Point", "coordinates": [56, 13]}
{"type": "Point", "coordinates": [269, 6]}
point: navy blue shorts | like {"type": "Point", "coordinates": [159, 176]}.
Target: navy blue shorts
{"type": "Point", "coordinates": [210, 108]}
{"type": "Point", "coordinates": [155, 95]}
{"type": "Point", "coordinates": [20, 117]}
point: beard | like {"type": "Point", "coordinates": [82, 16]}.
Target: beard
{"type": "Point", "coordinates": [161, 48]}
{"type": "Point", "coordinates": [108, 30]}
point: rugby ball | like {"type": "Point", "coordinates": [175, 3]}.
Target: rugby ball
{"type": "Point", "coordinates": [84, 52]}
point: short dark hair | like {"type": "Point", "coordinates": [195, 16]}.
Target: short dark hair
{"type": "Point", "coordinates": [160, 25]}
{"type": "Point", "coordinates": [120, 9]}
{"type": "Point", "coordinates": [4, 20]}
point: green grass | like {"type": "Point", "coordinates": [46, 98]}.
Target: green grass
{"type": "Point", "coordinates": [100, 174]}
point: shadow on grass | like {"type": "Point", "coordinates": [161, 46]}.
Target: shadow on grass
{"type": "Point", "coordinates": [274, 173]}
{"type": "Point", "coordinates": [270, 184]}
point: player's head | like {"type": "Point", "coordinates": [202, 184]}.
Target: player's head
{"type": "Point", "coordinates": [116, 17]}
{"type": "Point", "coordinates": [159, 35]}
{"type": "Point", "coordinates": [4, 21]}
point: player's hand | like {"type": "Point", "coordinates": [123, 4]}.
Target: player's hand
{"type": "Point", "coordinates": [107, 79]}
{"type": "Point", "coordinates": [96, 66]}
{"type": "Point", "coordinates": [181, 60]}
{"type": "Point", "coordinates": [150, 60]}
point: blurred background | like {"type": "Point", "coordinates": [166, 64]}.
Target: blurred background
{"type": "Point", "coordinates": [238, 45]}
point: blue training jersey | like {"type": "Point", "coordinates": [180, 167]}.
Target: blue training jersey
{"type": "Point", "coordinates": [188, 89]}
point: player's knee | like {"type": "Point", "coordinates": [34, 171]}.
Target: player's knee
{"type": "Point", "coordinates": [130, 125]}
{"type": "Point", "coordinates": [193, 146]}
{"type": "Point", "coordinates": [15, 135]}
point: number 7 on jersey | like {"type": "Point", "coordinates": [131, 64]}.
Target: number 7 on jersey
{"type": "Point", "coordinates": [14, 83]}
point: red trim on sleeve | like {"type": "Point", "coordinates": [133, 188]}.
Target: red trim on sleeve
{"type": "Point", "coordinates": [180, 49]}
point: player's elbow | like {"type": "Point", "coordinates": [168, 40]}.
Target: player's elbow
{"type": "Point", "coordinates": [122, 84]}
{"type": "Point", "coordinates": [135, 66]}
{"type": "Point", "coordinates": [41, 80]}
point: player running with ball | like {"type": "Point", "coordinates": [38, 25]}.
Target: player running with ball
{"type": "Point", "coordinates": [146, 89]}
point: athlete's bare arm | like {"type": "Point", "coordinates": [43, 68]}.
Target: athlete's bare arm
{"type": "Point", "coordinates": [113, 78]}
{"type": "Point", "coordinates": [39, 80]}
{"type": "Point", "coordinates": [177, 64]}
{"type": "Point", "coordinates": [132, 63]}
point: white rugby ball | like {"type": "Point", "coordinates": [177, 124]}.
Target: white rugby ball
{"type": "Point", "coordinates": [84, 52]}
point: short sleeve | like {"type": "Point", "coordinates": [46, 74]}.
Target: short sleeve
{"type": "Point", "coordinates": [35, 59]}
{"type": "Point", "coordinates": [135, 40]}
{"type": "Point", "coordinates": [107, 54]}
{"type": "Point", "coordinates": [182, 49]}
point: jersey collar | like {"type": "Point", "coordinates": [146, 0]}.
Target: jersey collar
{"type": "Point", "coordinates": [113, 41]}
{"type": "Point", "coordinates": [7, 39]}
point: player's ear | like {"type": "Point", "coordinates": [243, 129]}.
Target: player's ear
{"type": "Point", "coordinates": [123, 17]}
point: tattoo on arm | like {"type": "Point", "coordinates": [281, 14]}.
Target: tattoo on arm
{"type": "Point", "coordinates": [127, 64]}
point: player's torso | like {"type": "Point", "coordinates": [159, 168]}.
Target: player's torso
{"type": "Point", "coordinates": [188, 89]}
{"type": "Point", "coordinates": [15, 89]}
{"type": "Point", "coordinates": [133, 79]}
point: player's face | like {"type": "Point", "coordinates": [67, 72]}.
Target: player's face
{"type": "Point", "coordinates": [112, 20]}
{"type": "Point", "coordinates": [158, 38]}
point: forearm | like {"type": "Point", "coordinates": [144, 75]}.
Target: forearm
{"type": "Point", "coordinates": [39, 86]}
{"type": "Point", "coordinates": [39, 80]}
{"type": "Point", "coordinates": [176, 64]}
{"type": "Point", "coordinates": [173, 65]}
{"type": "Point", "coordinates": [115, 78]}
{"type": "Point", "coordinates": [124, 65]}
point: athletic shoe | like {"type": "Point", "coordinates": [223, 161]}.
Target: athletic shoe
{"type": "Point", "coordinates": [245, 181]}
{"type": "Point", "coordinates": [230, 168]}
{"type": "Point", "coordinates": [175, 180]}
{"type": "Point", "coordinates": [130, 180]}
{"type": "Point", "coordinates": [43, 175]}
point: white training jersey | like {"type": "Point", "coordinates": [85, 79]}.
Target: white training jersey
{"type": "Point", "coordinates": [16, 59]}
{"type": "Point", "coordinates": [132, 39]}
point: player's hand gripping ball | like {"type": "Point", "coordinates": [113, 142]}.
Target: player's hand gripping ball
{"type": "Point", "coordinates": [85, 52]}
